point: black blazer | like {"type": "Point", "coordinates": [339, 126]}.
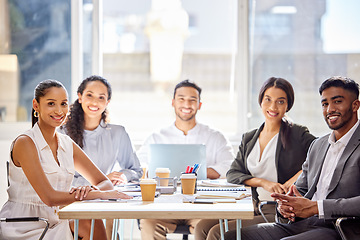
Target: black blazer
{"type": "Point", "coordinates": [288, 160]}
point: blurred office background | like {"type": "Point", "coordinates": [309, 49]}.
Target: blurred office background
{"type": "Point", "coordinates": [144, 47]}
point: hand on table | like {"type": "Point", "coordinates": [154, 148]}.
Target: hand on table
{"type": "Point", "coordinates": [115, 194]}
{"type": "Point", "coordinates": [117, 178]}
{"type": "Point", "coordinates": [82, 191]}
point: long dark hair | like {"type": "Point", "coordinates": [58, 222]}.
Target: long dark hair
{"type": "Point", "coordinates": [286, 86]}
{"type": "Point", "coordinates": [75, 123]}
{"type": "Point", "coordinates": [40, 90]}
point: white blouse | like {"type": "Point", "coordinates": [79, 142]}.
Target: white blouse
{"type": "Point", "coordinates": [264, 166]}
{"type": "Point", "coordinates": [25, 202]}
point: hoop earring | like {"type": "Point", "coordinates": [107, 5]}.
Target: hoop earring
{"type": "Point", "coordinates": [36, 114]}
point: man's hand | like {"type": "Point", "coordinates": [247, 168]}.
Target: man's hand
{"type": "Point", "coordinates": [294, 204]}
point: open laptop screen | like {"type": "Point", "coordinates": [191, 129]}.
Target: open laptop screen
{"type": "Point", "coordinates": [177, 157]}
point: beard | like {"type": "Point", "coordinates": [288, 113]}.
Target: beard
{"type": "Point", "coordinates": [185, 119]}
{"type": "Point", "coordinates": [345, 119]}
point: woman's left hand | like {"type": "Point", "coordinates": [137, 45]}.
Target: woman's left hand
{"type": "Point", "coordinates": [82, 191]}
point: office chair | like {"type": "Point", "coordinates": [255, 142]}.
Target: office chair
{"type": "Point", "coordinates": [348, 227]}
{"type": "Point", "coordinates": [25, 219]}
{"type": "Point", "coordinates": [180, 229]}
{"type": "Point", "coordinates": [29, 219]}
{"type": "Point", "coordinates": [184, 230]}
{"type": "Point", "coordinates": [261, 205]}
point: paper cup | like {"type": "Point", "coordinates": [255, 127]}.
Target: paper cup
{"type": "Point", "coordinates": [188, 182]}
{"type": "Point", "coordinates": [148, 188]}
{"type": "Point", "coordinates": [163, 173]}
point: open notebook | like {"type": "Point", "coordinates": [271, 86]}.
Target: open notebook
{"type": "Point", "coordinates": [177, 157]}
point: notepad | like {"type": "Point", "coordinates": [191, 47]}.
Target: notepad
{"type": "Point", "coordinates": [223, 195]}
{"type": "Point", "coordinates": [217, 183]}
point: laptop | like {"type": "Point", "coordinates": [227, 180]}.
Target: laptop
{"type": "Point", "coordinates": [177, 157]}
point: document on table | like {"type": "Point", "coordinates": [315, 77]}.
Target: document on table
{"type": "Point", "coordinates": [222, 195]}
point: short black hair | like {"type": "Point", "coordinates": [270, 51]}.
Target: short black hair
{"type": "Point", "coordinates": [343, 82]}
{"type": "Point", "coordinates": [187, 83]}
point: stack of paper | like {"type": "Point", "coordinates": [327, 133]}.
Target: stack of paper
{"type": "Point", "coordinates": [217, 183]}
{"type": "Point", "coordinates": [222, 195]}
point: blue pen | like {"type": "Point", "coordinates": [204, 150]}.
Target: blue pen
{"type": "Point", "coordinates": [197, 169]}
{"type": "Point", "coordinates": [196, 166]}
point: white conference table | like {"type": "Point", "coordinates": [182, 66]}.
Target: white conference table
{"type": "Point", "coordinates": [164, 207]}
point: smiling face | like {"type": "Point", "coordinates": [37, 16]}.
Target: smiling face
{"type": "Point", "coordinates": [274, 104]}
{"type": "Point", "coordinates": [52, 107]}
{"type": "Point", "coordinates": [339, 109]}
{"type": "Point", "coordinates": [186, 103]}
{"type": "Point", "coordinates": [94, 99]}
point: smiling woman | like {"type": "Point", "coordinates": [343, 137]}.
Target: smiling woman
{"type": "Point", "coordinates": [269, 158]}
{"type": "Point", "coordinates": [43, 163]}
{"type": "Point", "coordinates": [108, 145]}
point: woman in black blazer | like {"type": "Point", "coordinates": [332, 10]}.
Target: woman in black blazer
{"type": "Point", "coordinates": [269, 158]}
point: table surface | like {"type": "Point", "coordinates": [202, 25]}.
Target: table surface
{"type": "Point", "coordinates": [164, 207]}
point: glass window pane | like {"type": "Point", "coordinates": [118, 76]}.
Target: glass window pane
{"type": "Point", "coordinates": [149, 46]}
{"type": "Point", "coordinates": [305, 42]}
{"type": "Point", "coordinates": [40, 38]}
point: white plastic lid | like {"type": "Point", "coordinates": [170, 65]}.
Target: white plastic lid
{"type": "Point", "coordinates": [162, 170]}
{"type": "Point", "coordinates": [188, 175]}
{"type": "Point", "coordinates": [147, 181]}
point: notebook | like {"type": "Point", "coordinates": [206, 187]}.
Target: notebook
{"type": "Point", "coordinates": [177, 157]}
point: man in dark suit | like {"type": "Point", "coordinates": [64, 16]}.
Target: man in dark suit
{"type": "Point", "coordinates": [329, 186]}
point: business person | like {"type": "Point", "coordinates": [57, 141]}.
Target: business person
{"type": "Point", "coordinates": [186, 130]}
{"type": "Point", "coordinates": [106, 144]}
{"type": "Point", "coordinates": [269, 158]}
{"type": "Point", "coordinates": [329, 185]}
{"type": "Point", "coordinates": [42, 166]}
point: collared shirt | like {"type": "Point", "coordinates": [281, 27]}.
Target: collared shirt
{"type": "Point", "coordinates": [333, 155]}
{"type": "Point", "coordinates": [264, 166]}
{"type": "Point", "coordinates": [110, 148]}
{"type": "Point", "coordinates": [219, 152]}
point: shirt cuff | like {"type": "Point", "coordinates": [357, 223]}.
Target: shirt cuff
{"type": "Point", "coordinates": [320, 205]}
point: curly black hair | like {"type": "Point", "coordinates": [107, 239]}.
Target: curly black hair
{"type": "Point", "coordinates": [74, 126]}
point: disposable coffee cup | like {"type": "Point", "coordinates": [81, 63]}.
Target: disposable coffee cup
{"type": "Point", "coordinates": [188, 183]}
{"type": "Point", "coordinates": [148, 188]}
{"type": "Point", "coordinates": [163, 173]}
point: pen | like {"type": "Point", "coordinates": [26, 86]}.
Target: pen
{"type": "Point", "coordinates": [187, 169]}
{"type": "Point", "coordinates": [202, 202]}
{"type": "Point", "coordinates": [196, 166]}
{"type": "Point", "coordinates": [191, 170]}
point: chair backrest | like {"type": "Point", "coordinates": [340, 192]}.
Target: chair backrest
{"type": "Point", "coordinates": [348, 227]}
{"type": "Point", "coordinates": [177, 157]}
{"type": "Point", "coordinates": [7, 172]}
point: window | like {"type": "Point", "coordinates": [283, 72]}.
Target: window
{"type": "Point", "coordinates": [149, 46]}
{"type": "Point", "coordinates": [304, 42]}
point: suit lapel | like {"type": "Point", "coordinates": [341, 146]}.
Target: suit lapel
{"type": "Point", "coordinates": [321, 156]}
{"type": "Point", "coordinates": [251, 143]}
{"type": "Point", "coordinates": [349, 149]}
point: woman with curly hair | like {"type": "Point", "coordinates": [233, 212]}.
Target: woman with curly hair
{"type": "Point", "coordinates": [108, 145]}
{"type": "Point", "coordinates": [41, 168]}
